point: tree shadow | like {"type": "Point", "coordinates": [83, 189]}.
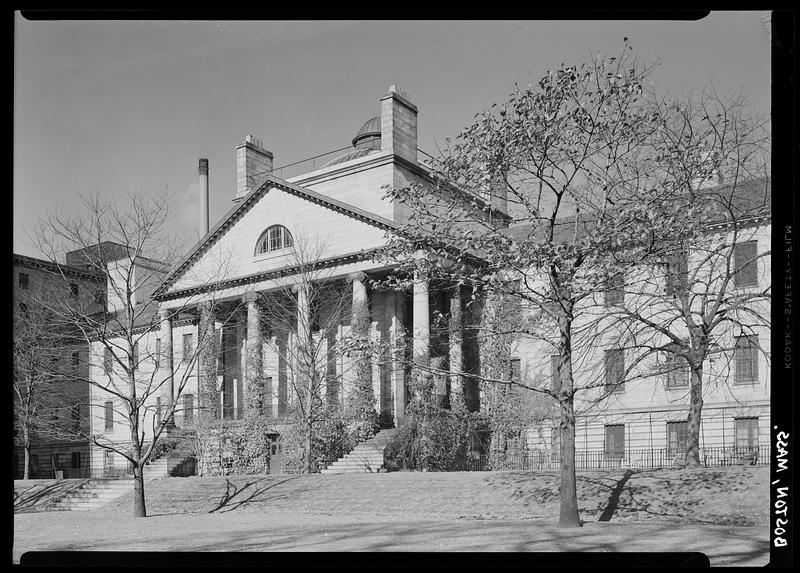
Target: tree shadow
{"type": "Point", "coordinates": [40, 496]}
{"type": "Point", "coordinates": [232, 491]}
{"type": "Point", "coordinates": [613, 499]}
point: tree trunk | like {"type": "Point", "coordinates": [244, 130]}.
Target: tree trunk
{"type": "Point", "coordinates": [568, 493]}
{"type": "Point", "coordinates": [139, 509]}
{"type": "Point", "coordinates": [309, 441]}
{"type": "Point", "coordinates": [26, 469]}
{"type": "Point", "coordinates": [695, 413]}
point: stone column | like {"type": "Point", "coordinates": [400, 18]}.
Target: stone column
{"type": "Point", "coordinates": [398, 339]}
{"type": "Point", "coordinates": [166, 363]}
{"type": "Point", "coordinates": [301, 359]}
{"type": "Point", "coordinates": [253, 367]}
{"type": "Point", "coordinates": [207, 362]}
{"type": "Point", "coordinates": [456, 355]}
{"type": "Point", "coordinates": [422, 323]}
{"type": "Point", "coordinates": [363, 399]}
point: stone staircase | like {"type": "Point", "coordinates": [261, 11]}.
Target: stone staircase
{"type": "Point", "coordinates": [171, 465]}
{"type": "Point", "coordinates": [366, 457]}
{"type": "Point", "coordinates": [93, 494]}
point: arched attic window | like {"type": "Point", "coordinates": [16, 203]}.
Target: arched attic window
{"type": "Point", "coordinates": [275, 238]}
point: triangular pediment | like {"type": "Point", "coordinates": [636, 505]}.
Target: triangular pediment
{"type": "Point", "coordinates": [322, 228]}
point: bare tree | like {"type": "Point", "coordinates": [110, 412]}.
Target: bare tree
{"type": "Point", "coordinates": [130, 245]}
{"type": "Point", "coordinates": [304, 320]}
{"type": "Point", "coordinates": [702, 293]}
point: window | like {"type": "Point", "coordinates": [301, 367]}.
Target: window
{"type": "Point", "coordinates": [76, 418]}
{"type": "Point", "coordinates": [516, 374]}
{"type": "Point", "coordinates": [615, 370]}
{"type": "Point", "coordinates": [73, 290]}
{"type": "Point", "coordinates": [23, 309]}
{"type": "Point", "coordinates": [677, 371]}
{"type": "Point", "coordinates": [109, 415]}
{"type": "Point", "coordinates": [157, 357]}
{"type": "Point", "coordinates": [76, 358]}
{"type": "Point", "coordinates": [614, 289]}
{"type": "Point", "coordinates": [34, 463]}
{"type": "Point", "coordinates": [555, 359]}
{"type": "Point", "coordinates": [108, 361]}
{"type": "Point", "coordinates": [274, 238]}
{"type": "Point", "coordinates": [187, 347]}
{"type": "Point", "coordinates": [135, 355]}
{"type": "Point", "coordinates": [677, 438]}
{"type": "Point", "coordinates": [745, 264]}
{"type": "Point", "coordinates": [99, 296]}
{"type": "Point", "coordinates": [746, 430]}
{"type": "Point", "coordinates": [24, 281]}
{"type": "Point", "coordinates": [188, 409]}
{"type": "Point", "coordinates": [76, 461]}
{"type": "Point", "coordinates": [746, 360]}
{"type": "Point", "coordinates": [615, 440]}
{"type": "Point", "coordinates": [677, 274]}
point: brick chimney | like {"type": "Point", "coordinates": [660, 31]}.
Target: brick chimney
{"type": "Point", "coordinates": [253, 162]}
{"type": "Point", "coordinates": [399, 124]}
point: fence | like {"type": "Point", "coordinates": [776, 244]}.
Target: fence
{"type": "Point", "coordinates": [642, 458]}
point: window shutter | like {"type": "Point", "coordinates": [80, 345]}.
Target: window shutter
{"type": "Point", "coordinates": [745, 265]}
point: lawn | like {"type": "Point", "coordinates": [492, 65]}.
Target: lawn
{"type": "Point", "coordinates": [722, 512]}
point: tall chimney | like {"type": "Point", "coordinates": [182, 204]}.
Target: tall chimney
{"type": "Point", "coordinates": [399, 124]}
{"type": "Point", "coordinates": [203, 169]}
{"type": "Point", "coordinates": [253, 163]}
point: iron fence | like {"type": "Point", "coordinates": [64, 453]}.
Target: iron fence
{"type": "Point", "coordinates": [641, 458]}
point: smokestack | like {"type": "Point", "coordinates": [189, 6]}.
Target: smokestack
{"type": "Point", "coordinates": [203, 169]}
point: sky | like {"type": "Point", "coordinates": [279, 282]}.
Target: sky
{"type": "Point", "coordinates": [128, 107]}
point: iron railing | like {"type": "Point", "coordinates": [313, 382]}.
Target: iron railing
{"type": "Point", "coordinates": [639, 458]}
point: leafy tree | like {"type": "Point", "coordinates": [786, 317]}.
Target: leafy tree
{"type": "Point", "coordinates": [530, 201]}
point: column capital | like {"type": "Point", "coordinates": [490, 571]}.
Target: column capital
{"type": "Point", "coordinates": [356, 276]}
{"type": "Point", "coordinates": [250, 296]}
{"type": "Point", "coordinates": [165, 313]}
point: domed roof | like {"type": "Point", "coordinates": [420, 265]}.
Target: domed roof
{"type": "Point", "coordinates": [371, 128]}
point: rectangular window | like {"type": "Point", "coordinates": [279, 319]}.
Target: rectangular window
{"type": "Point", "coordinates": [76, 461]}
{"type": "Point", "coordinates": [109, 415]}
{"type": "Point", "coordinates": [745, 264]}
{"type": "Point", "coordinates": [24, 281]}
{"type": "Point", "coordinates": [135, 355]}
{"type": "Point", "coordinates": [188, 409]}
{"type": "Point", "coordinates": [266, 403]}
{"type": "Point", "coordinates": [614, 289]}
{"type": "Point", "coordinates": [555, 359]}
{"type": "Point", "coordinates": [677, 438]}
{"type": "Point", "coordinates": [187, 347]}
{"type": "Point", "coordinates": [157, 357]}
{"type": "Point", "coordinates": [677, 370]}
{"type": "Point", "coordinates": [73, 290]}
{"type": "Point", "coordinates": [746, 430]}
{"type": "Point", "coordinates": [76, 418]}
{"type": "Point", "coordinates": [108, 361]}
{"type": "Point", "coordinates": [76, 358]}
{"type": "Point", "coordinates": [615, 370]}
{"type": "Point", "coordinates": [746, 360]}
{"type": "Point", "coordinates": [615, 440]}
{"type": "Point", "coordinates": [516, 374]}
{"type": "Point", "coordinates": [677, 274]}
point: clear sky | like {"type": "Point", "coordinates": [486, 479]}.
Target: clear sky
{"type": "Point", "coordinates": [130, 106]}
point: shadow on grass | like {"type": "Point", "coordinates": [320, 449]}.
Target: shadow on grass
{"type": "Point", "coordinates": [229, 501]}
{"type": "Point", "coordinates": [39, 496]}
{"type": "Point", "coordinates": [737, 546]}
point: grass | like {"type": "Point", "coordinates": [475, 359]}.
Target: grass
{"type": "Point", "coordinates": [722, 512]}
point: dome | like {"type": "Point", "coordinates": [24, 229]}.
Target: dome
{"type": "Point", "coordinates": [369, 134]}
